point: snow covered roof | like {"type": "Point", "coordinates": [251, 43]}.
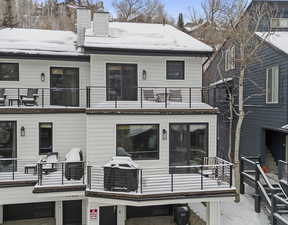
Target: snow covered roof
{"type": "Point", "coordinates": [277, 39]}
{"type": "Point", "coordinates": [145, 37]}
{"type": "Point", "coordinates": [36, 41]}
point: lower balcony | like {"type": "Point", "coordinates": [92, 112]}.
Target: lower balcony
{"type": "Point", "coordinates": [211, 179]}
{"type": "Point", "coordinates": [44, 176]}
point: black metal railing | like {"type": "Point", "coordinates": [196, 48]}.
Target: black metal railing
{"type": "Point", "coordinates": [143, 97]}
{"type": "Point", "coordinates": [61, 173]}
{"type": "Point", "coordinates": [43, 97]}
{"type": "Point", "coordinates": [13, 169]}
{"type": "Point", "coordinates": [102, 97]}
{"type": "Point", "coordinates": [271, 194]}
{"type": "Point", "coordinates": [213, 174]}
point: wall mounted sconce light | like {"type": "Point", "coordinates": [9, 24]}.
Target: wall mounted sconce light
{"type": "Point", "coordinates": [164, 134]}
{"type": "Point", "coordinates": [144, 75]}
{"type": "Point", "coordinates": [42, 76]}
{"type": "Point", "coordinates": [22, 131]}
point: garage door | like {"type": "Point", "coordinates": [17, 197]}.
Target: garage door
{"type": "Point", "coordinates": [28, 211]}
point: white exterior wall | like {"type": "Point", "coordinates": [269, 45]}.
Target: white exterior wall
{"type": "Point", "coordinates": [101, 135]}
{"type": "Point", "coordinates": [155, 67]}
{"type": "Point", "coordinates": [69, 130]}
{"type": "Point", "coordinates": [30, 76]}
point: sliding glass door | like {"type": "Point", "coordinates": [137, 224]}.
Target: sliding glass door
{"type": "Point", "coordinates": [121, 82]}
{"type": "Point", "coordinates": [8, 144]}
{"type": "Point", "coordinates": [188, 144]}
{"type": "Point", "coordinates": [64, 83]}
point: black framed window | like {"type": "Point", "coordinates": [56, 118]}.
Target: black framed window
{"type": "Point", "coordinates": [140, 142]}
{"type": "Point", "coordinates": [122, 83]}
{"type": "Point", "coordinates": [9, 71]}
{"type": "Point", "coordinates": [188, 143]}
{"type": "Point", "coordinates": [45, 138]}
{"type": "Point", "coordinates": [175, 70]}
{"type": "Point", "coordinates": [8, 144]}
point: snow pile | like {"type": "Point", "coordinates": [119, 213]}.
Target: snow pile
{"type": "Point", "coordinates": [278, 39]}
{"type": "Point", "coordinates": [236, 213]}
{"type": "Point", "coordinates": [145, 36]}
{"type": "Point", "coordinates": [37, 41]}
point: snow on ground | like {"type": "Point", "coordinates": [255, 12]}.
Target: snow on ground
{"type": "Point", "coordinates": [237, 213]}
{"type": "Point", "coordinates": [145, 36]}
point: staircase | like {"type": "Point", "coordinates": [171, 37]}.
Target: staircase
{"type": "Point", "coordinates": [269, 192]}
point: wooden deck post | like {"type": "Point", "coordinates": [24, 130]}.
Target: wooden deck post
{"type": "Point", "coordinates": [59, 213]}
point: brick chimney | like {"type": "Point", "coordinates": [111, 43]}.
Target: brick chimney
{"type": "Point", "coordinates": [83, 21]}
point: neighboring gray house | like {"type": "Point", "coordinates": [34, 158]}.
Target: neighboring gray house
{"type": "Point", "coordinates": [264, 130]}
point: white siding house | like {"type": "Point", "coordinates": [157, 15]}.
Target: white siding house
{"type": "Point", "coordinates": [111, 90]}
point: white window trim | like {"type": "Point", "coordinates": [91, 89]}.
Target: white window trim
{"type": "Point", "coordinates": [230, 58]}
{"type": "Point", "coordinates": [279, 22]}
{"type": "Point", "coordinates": [275, 99]}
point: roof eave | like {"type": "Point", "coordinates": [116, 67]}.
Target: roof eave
{"type": "Point", "coordinates": [145, 52]}
{"type": "Point", "coordinates": [37, 56]}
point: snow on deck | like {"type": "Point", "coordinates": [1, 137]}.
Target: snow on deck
{"type": "Point", "coordinates": [145, 36]}
{"type": "Point", "coordinates": [149, 105]}
{"type": "Point", "coordinates": [38, 41]}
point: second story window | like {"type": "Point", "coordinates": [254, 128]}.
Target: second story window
{"type": "Point", "coordinates": [140, 142]}
{"type": "Point", "coordinates": [230, 58]}
{"type": "Point", "coordinates": [272, 85]}
{"type": "Point", "coordinates": [279, 23]}
{"type": "Point", "coordinates": [175, 70]}
{"type": "Point", "coordinates": [9, 72]}
{"type": "Point", "coordinates": [45, 138]}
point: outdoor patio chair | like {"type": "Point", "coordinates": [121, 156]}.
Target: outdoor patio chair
{"type": "Point", "coordinates": [49, 162]}
{"type": "Point", "coordinates": [175, 95]}
{"type": "Point", "coordinates": [149, 95]}
{"type": "Point", "coordinates": [2, 96]}
{"type": "Point", "coordinates": [31, 98]}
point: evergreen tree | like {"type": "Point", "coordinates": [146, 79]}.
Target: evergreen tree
{"type": "Point", "coordinates": [180, 22]}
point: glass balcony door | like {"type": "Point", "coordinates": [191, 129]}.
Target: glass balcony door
{"type": "Point", "coordinates": [64, 84]}
{"type": "Point", "coordinates": [121, 82]}
{"type": "Point", "coordinates": [8, 145]}
{"type": "Point", "coordinates": [188, 144]}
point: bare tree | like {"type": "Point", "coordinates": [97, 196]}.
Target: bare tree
{"type": "Point", "coordinates": [9, 18]}
{"type": "Point", "coordinates": [211, 9]}
{"type": "Point", "coordinates": [247, 44]}
{"type": "Point", "coordinates": [146, 11]}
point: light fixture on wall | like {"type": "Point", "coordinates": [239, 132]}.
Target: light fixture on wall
{"type": "Point", "coordinates": [144, 75]}
{"type": "Point", "coordinates": [22, 131]}
{"type": "Point", "coordinates": [42, 76]}
{"type": "Point", "coordinates": [164, 134]}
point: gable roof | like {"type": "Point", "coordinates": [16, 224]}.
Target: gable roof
{"type": "Point", "coordinates": [135, 36]}
{"type": "Point", "coordinates": [37, 41]}
{"type": "Point", "coordinates": [276, 39]}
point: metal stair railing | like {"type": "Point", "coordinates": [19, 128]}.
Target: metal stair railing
{"type": "Point", "coordinates": [251, 173]}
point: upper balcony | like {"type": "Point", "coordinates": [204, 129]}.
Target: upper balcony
{"type": "Point", "coordinates": [103, 98]}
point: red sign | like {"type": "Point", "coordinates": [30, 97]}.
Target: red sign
{"type": "Point", "coordinates": [93, 214]}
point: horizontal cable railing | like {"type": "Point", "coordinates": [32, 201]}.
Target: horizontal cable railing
{"type": "Point", "coordinates": [144, 97]}
{"type": "Point", "coordinates": [43, 97]}
{"type": "Point", "coordinates": [161, 180]}
{"type": "Point", "coordinates": [12, 169]}
{"type": "Point", "coordinates": [103, 97]}
{"type": "Point", "coordinates": [61, 173]}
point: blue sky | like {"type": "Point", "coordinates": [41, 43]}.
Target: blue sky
{"type": "Point", "coordinates": [173, 7]}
